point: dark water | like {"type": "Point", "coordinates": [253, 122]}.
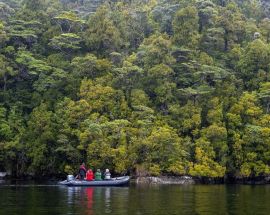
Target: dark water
{"type": "Point", "coordinates": [137, 200]}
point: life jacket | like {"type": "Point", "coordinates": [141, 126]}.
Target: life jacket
{"type": "Point", "coordinates": [98, 176]}
{"type": "Point", "coordinates": [82, 172]}
{"type": "Point", "coordinates": [107, 175]}
{"type": "Point", "coordinates": [89, 175]}
{"type": "Point", "coordinates": [82, 167]}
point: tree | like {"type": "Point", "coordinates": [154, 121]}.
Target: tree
{"type": "Point", "coordinates": [264, 27]}
{"type": "Point", "coordinates": [90, 66]}
{"type": "Point", "coordinates": [160, 85]}
{"type": "Point", "coordinates": [127, 78]}
{"type": "Point", "coordinates": [108, 144]}
{"type": "Point", "coordinates": [165, 151]}
{"type": "Point", "coordinates": [254, 149]}
{"type": "Point", "coordinates": [207, 13]}
{"type": "Point", "coordinates": [264, 95]}
{"type": "Point", "coordinates": [68, 21]}
{"type": "Point", "coordinates": [185, 27]}
{"type": "Point", "coordinates": [34, 5]}
{"type": "Point", "coordinates": [28, 63]}
{"type": "Point", "coordinates": [66, 43]}
{"type": "Point", "coordinates": [162, 14]}
{"type": "Point", "coordinates": [254, 63]}
{"type": "Point", "coordinates": [6, 11]}
{"type": "Point", "coordinates": [205, 164]}
{"type": "Point", "coordinates": [14, 157]}
{"type": "Point", "coordinates": [156, 50]}
{"type": "Point", "coordinates": [24, 32]}
{"type": "Point", "coordinates": [3, 34]}
{"type": "Point", "coordinates": [232, 21]}
{"type": "Point", "coordinates": [186, 118]}
{"type": "Point", "coordinates": [212, 41]}
{"type": "Point", "coordinates": [40, 141]}
{"type": "Point", "coordinates": [5, 71]}
{"type": "Point", "coordinates": [101, 34]}
{"type": "Point", "coordinates": [253, 9]}
{"type": "Point", "coordinates": [103, 99]}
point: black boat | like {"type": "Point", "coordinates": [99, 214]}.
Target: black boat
{"type": "Point", "coordinates": [119, 181]}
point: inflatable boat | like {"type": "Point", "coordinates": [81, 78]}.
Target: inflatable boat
{"type": "Point", "coordinates": [119, 181]}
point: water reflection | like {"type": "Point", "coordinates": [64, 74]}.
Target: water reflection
{"type": "Point", "coordinates": [89, 194]}
{"type": "Point", "coordinates": [96, 200]}
{"type": "Point", "coordinates": [108, 200]}
{"type": "Point", "coordinates": [158, 200]}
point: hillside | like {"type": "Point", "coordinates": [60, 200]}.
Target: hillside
{"type": "Point", "coordinates": [178, 87]}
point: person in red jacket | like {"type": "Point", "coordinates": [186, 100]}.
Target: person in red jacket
{"type": "Point", "coordinates": [89, 175]}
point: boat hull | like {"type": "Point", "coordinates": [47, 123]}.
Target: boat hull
{"type": "Point", "coordinates": [119, 181]}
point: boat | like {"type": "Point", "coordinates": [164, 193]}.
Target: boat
{"type": "Point", "coordinates": [3, 174]}
{"type": "Point", "coordinates": [118, 181]}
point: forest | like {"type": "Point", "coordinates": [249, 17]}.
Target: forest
{"type": "Point", "coordinates": [142, 87]}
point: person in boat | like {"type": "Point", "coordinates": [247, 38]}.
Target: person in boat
{"type": "Point", "coordinates": [89, 175]}
{"type": "Point", "coordinates": [107, 174]}
{"type": "Point", "coordinates": [82, 172]}
{"type": "Point", "coordinates": [98, 175]}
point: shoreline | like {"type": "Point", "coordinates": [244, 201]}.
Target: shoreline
{"type": "Point", "coordinates": [188, 180]}
{"type": "Point", "coordinates": [161, 180]}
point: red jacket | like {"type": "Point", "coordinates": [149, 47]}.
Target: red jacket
{"type": "Point", "coordinates": [89, 175]}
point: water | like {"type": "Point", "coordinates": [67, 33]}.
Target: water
{"type": "Point", "coordinates": [137, 200]}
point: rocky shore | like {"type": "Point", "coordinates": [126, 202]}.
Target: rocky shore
{"type": "Point", "coordinates": [166, 180]}
{"type": "Point", "coordinates": [187, 180]}
{"type": "Point", "coordinates": [252, 181]}
{"type": "Point", "coordinates": [162, 180]}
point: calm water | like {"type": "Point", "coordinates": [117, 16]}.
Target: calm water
{"type": "Point", "coordinates": [137, 200]}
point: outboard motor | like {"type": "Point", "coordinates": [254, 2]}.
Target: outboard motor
{"type": "Point", "coordinates": [70, 178]}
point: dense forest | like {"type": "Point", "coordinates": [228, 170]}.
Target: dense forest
{"type": "Point", "coordinates": [175, 87]}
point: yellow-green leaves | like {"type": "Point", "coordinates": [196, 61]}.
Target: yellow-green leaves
{"type": "Point", "coordinates": [69, 22]}
{"type": "Point", "coordinates": [90, 66]}
{"type": "Point", "coordinates": [185, 27]}
{"type": "Point", "coordinates": [66, 42]}
{"type": "Point", "coordinates": [101, 33]}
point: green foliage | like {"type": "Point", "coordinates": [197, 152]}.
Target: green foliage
{"type": "Point", "coordinates": [147, 87]}
{"type": "Point", "coordinates": [3, 34]}
{"type": "Point", "coordinates": [5, 71]}
{"type": "Point", "coordinates": [254, 64]}
{"type": "Point", "coordinates": [101, 33]}
{"type": "Point", "coordinates": [90, 67]}
{"type": "Point", "coordinates": [34, 4]}
{"type": "Point", "coordinates": [185, 27]}
{"type": "Point", "coordinates": [34, 66]}
{"type": "Point", "coordinates": [66, 42]}
{"type": "Point", "coordinates": [156, 50]}
{"type": "Point", "coordinates": [68, 21]}
{"type": "Point", "coordinates": [232, 21]}
{"type": "Point", "coordinates": [24, 32]}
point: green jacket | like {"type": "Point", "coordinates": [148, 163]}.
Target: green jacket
{"type": "Point", "coordinates": [98, 176]}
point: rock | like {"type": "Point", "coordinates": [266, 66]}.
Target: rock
{"type": "Point", "coordinates": [166, 180]}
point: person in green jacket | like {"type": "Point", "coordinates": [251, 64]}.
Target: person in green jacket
{"type": "Point", "coordinates": [98, 175]}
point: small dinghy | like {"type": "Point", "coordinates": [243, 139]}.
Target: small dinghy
{"type": "Point", "coordinates": [3, 174]}
{"type": "Point", "coordinates": [119, 181]}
